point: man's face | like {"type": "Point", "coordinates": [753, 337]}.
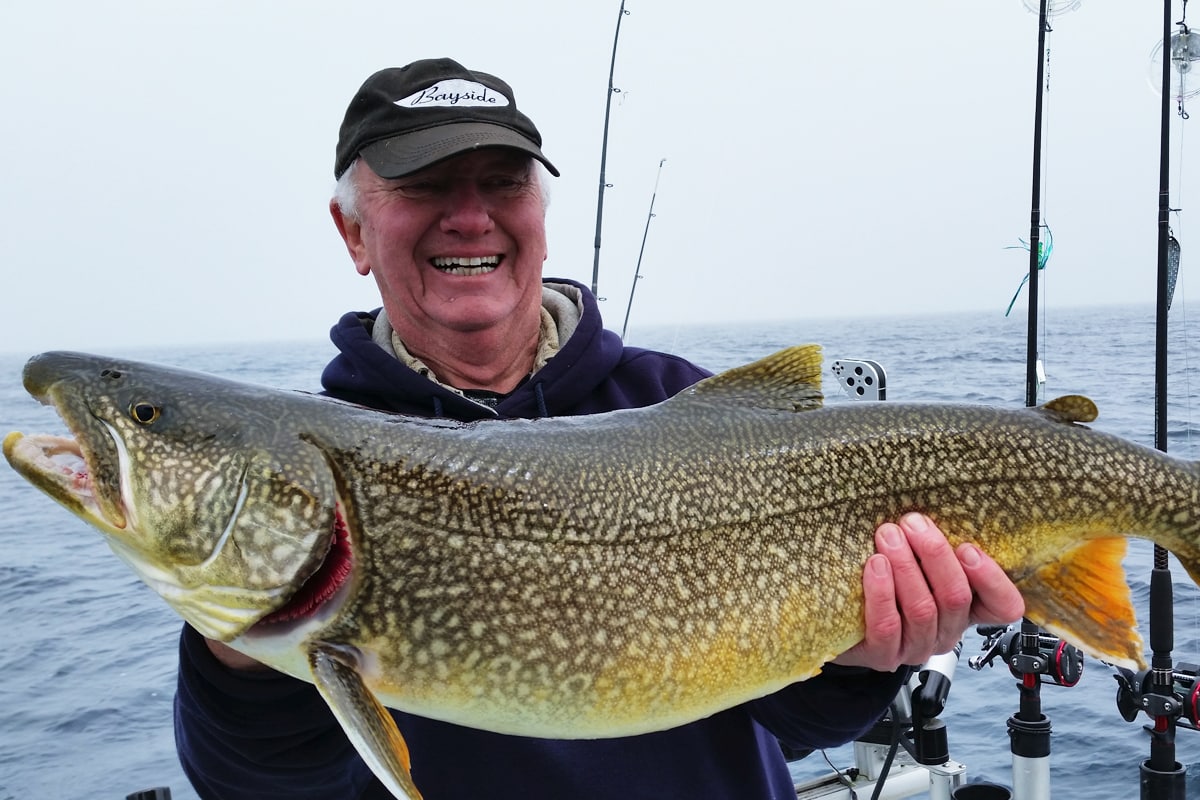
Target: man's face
{"type": "Point", "coordinates": [457, 246]}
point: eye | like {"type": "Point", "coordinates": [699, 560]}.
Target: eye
{"type": "Point", "coordinates": [421, 187]}
{"type": "Point", "coordinates": [144, 413]}
{"type": "Point", "coordinates": [507, 181]}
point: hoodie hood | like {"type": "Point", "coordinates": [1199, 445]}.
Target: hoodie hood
{"type": "Point", "coordinates": [365, 373]}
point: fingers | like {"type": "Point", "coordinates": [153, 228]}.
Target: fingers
{"type": "Point", "coordinates": [899, 612]}
{"type": "Point", "coordinates": [927, 605]}
{"type": "Point", "coordinates": [883, 636]}
{"type": "Point", "coordinates": [935, 597]}
{"type": "Point", "coordinates": [997, 600]}
{"type": "Point", "coordinates": [920, 595]}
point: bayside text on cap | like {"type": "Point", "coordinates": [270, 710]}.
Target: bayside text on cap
{"type": "Point", "coordinates": [404, 119]}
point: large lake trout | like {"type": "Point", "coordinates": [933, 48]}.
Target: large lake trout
{"type": "Point", "coordinates": [589, 576]}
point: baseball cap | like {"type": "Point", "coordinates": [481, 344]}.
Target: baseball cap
{"type": "Point", "coordinates": [405, 118]}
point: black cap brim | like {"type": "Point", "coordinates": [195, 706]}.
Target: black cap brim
{"type": "Point", "coordinates": [410, 152]}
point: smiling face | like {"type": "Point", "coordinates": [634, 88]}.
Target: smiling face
{"type": "Point", "coordinates": [455, 248]}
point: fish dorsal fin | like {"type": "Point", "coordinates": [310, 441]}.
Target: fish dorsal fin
{"type": "Point", "coordinates": [1071, 408]}
{"type": "Point", "coordinates": [789, 380]}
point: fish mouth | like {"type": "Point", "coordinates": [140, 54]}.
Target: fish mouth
{"type": "Point", "coordinates": [63, 466]}
{"type": "Point", "coordinates": [58, 466]}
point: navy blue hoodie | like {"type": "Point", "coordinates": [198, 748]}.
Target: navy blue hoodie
{"type": "Point", "coordinates": [264, 735]}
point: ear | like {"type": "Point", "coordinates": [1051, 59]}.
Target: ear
{"type": "Point", "coordinates": [351, 231]}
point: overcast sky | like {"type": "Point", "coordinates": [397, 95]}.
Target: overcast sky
{"type": "Point", "coordinates": [167, 165]}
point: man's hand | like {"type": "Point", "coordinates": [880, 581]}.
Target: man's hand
{"type": "Point", "coordinates": [920, 595]}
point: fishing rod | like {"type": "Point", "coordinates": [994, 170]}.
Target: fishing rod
{"type": "Point", "coordinates": [1031, 654]}
{"type": "Point", "coordinates": [1035, 214]}
{"type": "Point", "coordinates": [1169, 694]}
{"type": "Point", "coordinates": [1161, 775]}
{"type": "Point", "coordinates": [604, 153]}
{"type": "Point", "coordinates": [637, 270]}
{"type": "Point", "coordinates": [1029, 728]}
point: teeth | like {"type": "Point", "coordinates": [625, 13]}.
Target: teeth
{"type": "Point", "coordinates": [476, 265]}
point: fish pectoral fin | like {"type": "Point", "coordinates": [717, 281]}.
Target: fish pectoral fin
{"type": "Point", "coordinates": [1083, 598]}
{"type": "Point", "coordinates": [366, 722]}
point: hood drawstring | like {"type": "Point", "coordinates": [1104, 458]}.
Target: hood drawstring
{"type": "Point", "coordinates": [543, 411]}
{"type": "Point", "coordinates": [438, 410]}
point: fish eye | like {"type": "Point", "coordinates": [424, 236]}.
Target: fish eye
{"type": "Point", "coordinates": [144, 413]}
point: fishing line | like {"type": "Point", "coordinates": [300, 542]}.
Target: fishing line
{"type": "Point", "coordinates": [1181, 311]}
{"type": "Point", "coordinates": [1178, 267]}
{"type": "Point", "coordinates": [897, 738]}
{"type": "Point", "coordinates": [845, 777]}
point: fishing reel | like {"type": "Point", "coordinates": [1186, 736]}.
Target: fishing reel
{"type": "Point", "coordinates": [1025, 654]}
{"type": "Point", "coordinates": [1136, 692]}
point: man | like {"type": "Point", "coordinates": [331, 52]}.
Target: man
{"type": "Point", "coordinates": [441, 198]}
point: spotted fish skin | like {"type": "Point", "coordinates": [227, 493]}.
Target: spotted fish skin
{"type": "Point", "coordinates": [589, 576]}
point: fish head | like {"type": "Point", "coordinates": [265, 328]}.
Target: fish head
{"type": "Point", "coordinates": [204, 487]}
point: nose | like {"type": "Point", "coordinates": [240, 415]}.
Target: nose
{"type": "Point", "coordinates": [467, 212]}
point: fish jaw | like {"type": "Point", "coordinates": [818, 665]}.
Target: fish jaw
{"type": "Point", "coordinates": [96, 443]}
{"type": "Point", "coordinates": [56, 465]}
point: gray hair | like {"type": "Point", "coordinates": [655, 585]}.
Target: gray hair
{"type": "Point", "coordinates": [345, 192]}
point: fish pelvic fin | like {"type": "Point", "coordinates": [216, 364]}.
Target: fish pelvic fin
{"type": "Point", "coordinates": [368, 725]}
{"type": "Point", "coordinates": [1083, 598]}
{"type": "Point", "coordinates": [789, 380]}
